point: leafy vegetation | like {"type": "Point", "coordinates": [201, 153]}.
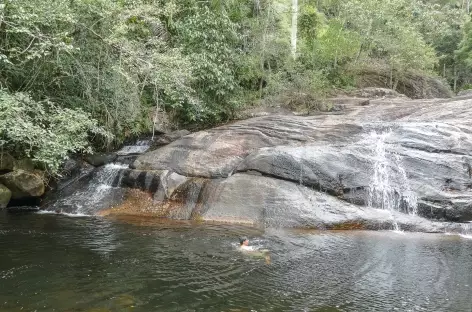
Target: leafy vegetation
{"type": "Point", "coordinates": [77, 73]}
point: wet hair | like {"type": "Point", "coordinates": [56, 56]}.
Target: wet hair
{"type": "Point", "coordinates": [242, 240]}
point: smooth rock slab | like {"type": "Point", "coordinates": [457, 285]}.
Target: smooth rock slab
{"type": "Point", "coordinates": [271, 202]}
{"type": "Point", "coordinates": [216, 153]}
{"type": "Point", "coordinates": [431, 161]}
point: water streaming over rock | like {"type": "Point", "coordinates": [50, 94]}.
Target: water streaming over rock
{"type": "Point", "coordinates": [87, 200]}
{"type": "Point", "coordinates": [466, 230]}
{"type": "Point", "coordinates": [389, 187]}
{"type": "Point", "coordinates": [141, 146]}
{"type": "Point", "coordinates": [105, 186]}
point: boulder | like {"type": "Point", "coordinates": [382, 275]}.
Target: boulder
{"type": "Point", "coordinates": [7, 162]}
{"type": "Point", "coordinates": [5, 195]}
{"type": "Point", "coordinates": [101, 159]}
{"type": "Point", "coordinates": [169, 137]}
{"type": "Point", "coordinates": [169, 183]}
{"type": "Point", "coordinates": [23, 184]}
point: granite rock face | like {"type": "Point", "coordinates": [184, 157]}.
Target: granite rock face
{"type": "Point", "coordinates": [370, 165]}
{"type": "Point", "coordinates": [424, 147]}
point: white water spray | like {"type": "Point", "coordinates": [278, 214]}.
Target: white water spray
{"type": "Point", "coordinates": [466, 230]}
{"type": "Point", "coordinates": [389, 188]}
{"type": "Point", "coordinates": [83, 201]}
{"type": "Point", "coordinates": [140, 147]}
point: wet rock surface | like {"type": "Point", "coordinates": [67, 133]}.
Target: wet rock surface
{"type": "Point", "coordinates": [101, 159]}
{"type": "Point", "coordinates": [371, 165]}
{"type": "Point", "coordinates": [5, 196]}
{"type": "Point", "coordinates": [330, 159]}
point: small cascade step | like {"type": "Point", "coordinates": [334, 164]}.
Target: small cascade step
{"type": "Point", "coordinates": [466, 230]}
{"type": "Point", "coordinates": [140, 147]}
{"type": "Point", "coordinates": [389, 188]}
{"type": "Point", "coordinates": [94, 195]}
{"type": "Point", "coordinates": [104, 187]}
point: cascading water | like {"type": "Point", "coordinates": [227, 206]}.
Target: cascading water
{"type": "Point", "coordinates": [86, 200]}
{"type": "Point", "coordinates": [466, 230]}
{"type": "Point", "coordinates": [140, 147]}
{"type": "Point", "coordinates": [389, 187]}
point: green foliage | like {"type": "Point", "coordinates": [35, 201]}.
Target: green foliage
{"type": "Point", "coordinates": [210, 40]}
{"type": "Point", "coordinates": [464, 53]}
{"type": "Point", "coordinates": [42, 131]}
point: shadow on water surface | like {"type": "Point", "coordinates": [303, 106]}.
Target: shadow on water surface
{"type": "Point", "coordinates": [58, 263]}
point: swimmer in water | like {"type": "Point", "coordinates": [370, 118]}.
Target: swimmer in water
{"type": "Point", "coordinates": [244, 246]}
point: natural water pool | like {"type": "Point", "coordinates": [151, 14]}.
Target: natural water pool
{"type": "Point", "coordinates": [60, 263]}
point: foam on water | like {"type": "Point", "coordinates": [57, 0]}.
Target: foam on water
{"type": "Point", "coordinates": [73, 215]}
{"type": "Point", "coordinates": [398, 232]}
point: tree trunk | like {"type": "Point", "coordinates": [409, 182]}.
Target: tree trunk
{"type": "Point", "coordinates": [156, 116]}
{"type": "Point", "coordinates": [455, 79]}
{"type": "Point", "coordinates": [294, 28]}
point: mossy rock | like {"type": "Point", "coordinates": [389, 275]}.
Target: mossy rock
{"type": "Point", "coordinates": [24, 164]}
{"type": "Point", "coordinates": [5, 196]}
{"type": "Point", "coordinates": [23, 184]}
{"type": "Point", "coordinates": [7, 162]}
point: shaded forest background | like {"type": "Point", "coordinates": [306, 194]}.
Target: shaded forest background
{"type": "Point", "coordinates": [77, 74]}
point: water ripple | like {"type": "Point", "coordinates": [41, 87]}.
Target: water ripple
{"type": "Point", "coordinates": [56, 263]}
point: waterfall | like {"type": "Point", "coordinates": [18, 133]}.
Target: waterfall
{"type": "Point", "coordinates": [389, 187]}
{"type": "Point", "coordinates": [86, 200]}
{"type": "Point", "coordinates": [102, 188]}
{"type": "Point", "coordinates": [140, 147]}
{"type": "Point", "coordinates": [466, 230]}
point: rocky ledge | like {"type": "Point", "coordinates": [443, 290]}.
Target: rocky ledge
{"type": "Point", "coordinates": [369, 165]}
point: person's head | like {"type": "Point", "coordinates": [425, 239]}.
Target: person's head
{"type": "Point", "coordinates": [243, 241]}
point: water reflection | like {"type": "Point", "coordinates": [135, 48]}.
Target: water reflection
{"type": "Point", "coordinates": [55, 263]}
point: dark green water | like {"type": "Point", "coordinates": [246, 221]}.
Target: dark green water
{"type": "Point", "coordinates": [59, 263]}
